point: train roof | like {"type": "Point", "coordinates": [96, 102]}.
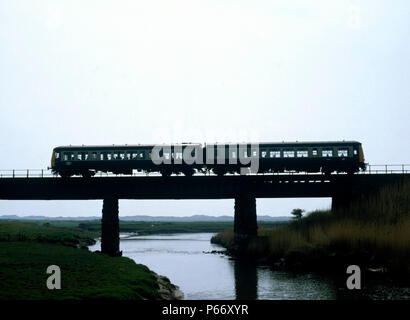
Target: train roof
{"type": "Point", "coordinates": [120, 146]}
{"type": "Point", "coordinates": [288, 143]}
{"type": "Point", "coordinates": [283, 143]}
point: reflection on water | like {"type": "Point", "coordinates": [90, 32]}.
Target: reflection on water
{"type": "Point", "coordinates": [200, 275]}
{"type": "Point", "coordinates": [246, 281]}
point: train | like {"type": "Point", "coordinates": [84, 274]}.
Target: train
{"type": "Point", "coordinates": [219, 158]}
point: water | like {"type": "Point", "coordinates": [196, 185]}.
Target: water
{"type": "Point", "coordinates": [202, 276]}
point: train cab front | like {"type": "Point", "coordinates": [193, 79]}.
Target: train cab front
{"type": "Point", "coordinates": [55, 158]}
{"type": "Point", "coordinates": [362, 163]}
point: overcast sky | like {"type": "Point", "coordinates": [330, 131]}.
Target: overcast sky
{"type": "Point", "coordinates": [128, 72]}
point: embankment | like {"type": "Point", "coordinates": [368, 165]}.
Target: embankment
{"type": "Point", "coordinates": [27, 249]}
{"type": "Point", "coordinates": [372, 233]}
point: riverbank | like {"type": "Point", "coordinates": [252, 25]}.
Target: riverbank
{"type": "Point", "coordinates": [158, 227]}
{"type": "Point", "coordinates": [372, 233]}
{"type": "Point", "coordinates": [27, 249]}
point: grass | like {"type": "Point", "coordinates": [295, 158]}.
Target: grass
{"type": "Point", "coordinates": [28, 248]}
{"type": "Point", "coordinates": [66, 230]}
{"type": "Point", "coordinates": [145, 228]}
{"type": "Point", "coordinates": [374, 232]}
{"type": "Point", "coordinates": [45, 232]}
{"type": "Point", "coordinates": [84, 274]}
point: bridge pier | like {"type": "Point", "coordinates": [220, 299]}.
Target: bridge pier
{"type": "Point", "coordinates": [110, 229]}
{"type": "Point", "coordinates": [341, 201]}
{"type": "Point", "coordinates": [245, 225]}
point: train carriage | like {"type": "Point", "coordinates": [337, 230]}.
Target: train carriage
{"type": "Point", "coordinates": [188, 158]}
{"type": "Point", "coordinates": [87, 160]}
{"type": "Point", "coordinates": [325, 157]}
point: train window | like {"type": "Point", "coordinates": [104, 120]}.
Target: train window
{"type": "Point", "coordinates": [122, 155]}
{"type": "Point", "coordinates": [94, 155]}
{"type": "Point", "coordinates": [79, 156]}
{"type": "Point", "coordinates": [355, 152]}
{"type": "Point", "coordinates": [288, 154]}
{"type": "Point", "coordinates": [166, 155]}
{"type": "Point", "coordinates": [274, 154]}
{"type": "Point", "coordinates": [327, 153]}
{"type": "Point", "coordinates": [302, 153]}
{"type": "Point", "coordinates": [86, 156]}
{"type": "Point", "coordinates": [142, 155]}
{"type": "Point", "coordinates": [65, 157]}
{"type": "Point", "coordinates": [263, 154]}
{"type": "Point", "coordinates": [314, 152]}
{"type": "Point", "coordinates": [254, 153]}
{"type": "Point", "coordinates": [128, 156]}
{"type": "Point", "coordinates": [134, 155]}
{"type": "Point", "coordinates": [57, 155]}
{"type": "Point", "coordinates": [233, 154]}
{"type": "Point", "coordinates": [342, 153]}
{"type": "Point", "coordinates": [109, 156]}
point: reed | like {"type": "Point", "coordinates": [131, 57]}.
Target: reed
{"type": "Point", "coordinates": [377, 227]}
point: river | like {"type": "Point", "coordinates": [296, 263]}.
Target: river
{"type": "Point", "coordinates": [200, 275]}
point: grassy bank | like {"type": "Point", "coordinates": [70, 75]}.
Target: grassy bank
{"type": "Point", "coordinates": [84, 275]}
{"type": "Point", "coordinates": [145, 228]}
{"type": "Point", "coordinates": [372, 232]}
{"type": "Point", "coordinates": [46, 232]}
{"type": "Point", "coordinates": [27, 249]}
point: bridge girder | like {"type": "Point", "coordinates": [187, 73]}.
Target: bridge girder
{"type": "Point", "coordinates": [196, 187]}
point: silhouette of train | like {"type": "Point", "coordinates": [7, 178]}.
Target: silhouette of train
{"type": "Point", "coordinates": [219, 159]}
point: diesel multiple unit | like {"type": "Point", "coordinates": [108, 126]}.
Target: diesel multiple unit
{"type": "Point", "coordinates": [189, 158]}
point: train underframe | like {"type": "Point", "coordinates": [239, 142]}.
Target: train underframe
{"type": "Point", "coordinates": [221, 170]}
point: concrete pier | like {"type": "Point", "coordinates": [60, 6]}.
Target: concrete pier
{"type": "Point", "coordinates": [110, 229]}
{"type": "Point", "coordinates": [341, 201]}
{"type": "Point", "coordinates": [245, 225]}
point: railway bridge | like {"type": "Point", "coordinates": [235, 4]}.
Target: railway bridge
{"type": "Point", "coordinates": [342, 188]}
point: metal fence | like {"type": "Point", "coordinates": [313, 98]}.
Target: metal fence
{"type": "Point", "coordinates": [387, 168]}
{"type": "Point", "coordinates": [45, 173]}
{"type": "Point", "coordinates": [26, 173]}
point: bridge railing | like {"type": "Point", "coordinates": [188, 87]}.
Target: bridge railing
{"type": "Point", "coordinates": [45, 173]}
{"type": "Point", "coordinates": [27, 173]}
{"type": "Point", "coordinates": [387, 168]}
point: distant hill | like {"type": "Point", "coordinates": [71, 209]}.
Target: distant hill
{"type": "Point", "coordinates": [194, 218]}
{"type": "Point", "coordinates": [197, 218]}
{"type": "Point", "coordinates": [15, 217]}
